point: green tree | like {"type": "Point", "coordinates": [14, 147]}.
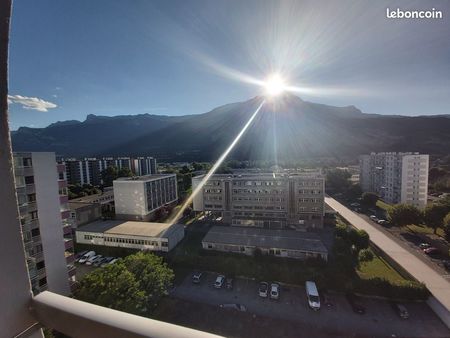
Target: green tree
{"type": "Point", "coordinates": [354, 191]}
{"type": "Point", "coordinates": [134, 284]}
{"type": "Point", "coordinates": [369, 199]}
{"type": "Point", "coordinates": [434, 215]}
{"type": "Point", "coordinates": [446, 226]}
{"type": "Point", "coordinates": [338, 180]}
{"type": "Point", "coordinates": [124, 172]}
{"type": "Point", "coordinates": [365, 255]}
{"type": "Point", "coordinates": [113, 286]}
{"type": "Point", "coordinates": [404, 214]}
{"type": "Point", "coordinates": [359, 239]}
{"type": "Point", "coordinates": [109, 175]}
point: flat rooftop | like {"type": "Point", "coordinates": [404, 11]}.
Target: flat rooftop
{"type": "Point", "coordinates": [264, 175]}
{"type": "Point", "coordinates": [143, 178]}
{"type": "Point", "coordinates": [130, 228]}
{"type": "Point", "coordinates": [93, 198]}
{"type": "Point", "coordinates": [74, 205]}
{"type": "Point", "coordinates": [266, 238]}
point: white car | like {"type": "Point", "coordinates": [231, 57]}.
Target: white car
{"type": "Point", "coordinates": [86, 256]}
{"type": "Point", "coordinates": [219, 281]}
{"type": "Point", "coordinates": [274, 291]}
{"type": "Point", "coordinates": [263, 289]}
{"type": "Point", "coordinates": [91, 260]}
{"type": "Point", "coordinates": [113, 261]}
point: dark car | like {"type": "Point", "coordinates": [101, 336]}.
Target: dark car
{"type": "Point", "coordinates": [432, 251]}
{"type": "Point", "coordinates": [446, 265]}
{"type": "Point", "coordinates": [356, 304]}
{"type": "Point", "coordinates": [229, 283]}
{"type": "Point", "coordinates": [197, 277]}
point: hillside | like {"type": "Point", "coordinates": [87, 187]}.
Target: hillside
{"type": "Point", "coordinates": [291, 126]}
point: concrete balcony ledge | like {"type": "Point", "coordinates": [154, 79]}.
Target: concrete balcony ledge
{"type": "Point", "coordinates": [80, 319]}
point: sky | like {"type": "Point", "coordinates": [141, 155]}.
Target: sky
{"type": "Point", "coordinates": [68, 59]}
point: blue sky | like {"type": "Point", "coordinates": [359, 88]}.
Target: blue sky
{"type": "Point", "coordinates": [69, 59]}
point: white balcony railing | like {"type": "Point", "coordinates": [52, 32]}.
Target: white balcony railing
{"type": "Point", "coordinates": [80, 319]}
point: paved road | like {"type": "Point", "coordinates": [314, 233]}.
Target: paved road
{"type": "Point", "coordinates": [435, 282]}
{"type": "Point", "coordinates": [380, 319]}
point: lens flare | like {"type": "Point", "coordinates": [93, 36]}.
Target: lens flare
{"type": "Point", "coordinates": [274, 85]}
{"type": "Point", "coordinates": [216, 165]}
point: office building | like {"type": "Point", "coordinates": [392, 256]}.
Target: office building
{"type": "Point", "coordinates": [131, 234]}
{"type": "Point", "coordinates": [143, 198]}
{"type": "Point", "coordinates": [88, 170]}
{"type": "Point", "coordinates": [105, 199]}
{"type": "Point", "coordinates": [42, 198]}
{"type": "Point", "coordinates": [83, 213]}
{"type": "Point", "coordinates": [396, 177]}
{"type": "Point", "coordinates": [292, 200]}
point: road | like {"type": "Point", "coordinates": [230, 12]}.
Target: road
{"type": "Point", "coordinates": [398, 251]}
{"type": "Point", "coordinates": [380, 319]}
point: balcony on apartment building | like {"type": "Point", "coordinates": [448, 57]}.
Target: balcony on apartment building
{"type": "Point", "coordinates": [68, 243]}
{"type": "Point", "coordinates": [70, 257]}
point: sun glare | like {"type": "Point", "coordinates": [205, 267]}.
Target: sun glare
{"type": "Point", "coordinates": [274, 85]}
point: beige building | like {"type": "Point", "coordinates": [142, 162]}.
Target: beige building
{"type": "Point", "coordinates": [396, 177]}
{"type": "Point", "coordinates": [131, 234]}
{"type": "Point", "coordinates": [288, 200]}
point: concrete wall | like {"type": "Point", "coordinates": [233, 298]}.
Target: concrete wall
{"type": "Point", "coordinates": [50, 221]}
{"type": "Point", "coordinates": [129, 198]}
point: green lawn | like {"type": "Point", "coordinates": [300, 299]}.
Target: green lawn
{"type": "Point", "coordinates": [423, 229]}
{"type": "Point", "coordinates": [383, 205]}
{"type": "Point", "coordinates": [378, 267]}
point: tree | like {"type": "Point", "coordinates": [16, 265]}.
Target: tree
{"type": "Point", "coordinates": [369, 199]}
{"type": "Point", "coordinates": [337, 180]}
{"type": "Point", "coordinates": [109, 175]}
{"type": "Point", "coordinates": [365, 255]}
{"type": "Point", "coordinates": [354, 191]}
{"type": "Point", "coordinates": [446, 226]}
{"type": "Point", "coordinates": [134, 284]}
{"type": "Point", "coordinates": [113, 286]}
{"type": "Point", "coordinates": [434, 215]}
{"type": "Point", "coordinates": [404, 214]}
{"type": "Point", "coordinates": [124, 172]}
{"type": "Point", "coordinates": [359, 239]}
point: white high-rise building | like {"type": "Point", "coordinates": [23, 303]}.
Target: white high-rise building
{"type": "Point", "coordinates": [42, 198]}
{"type": "Point", "coordinates": [396, 177]}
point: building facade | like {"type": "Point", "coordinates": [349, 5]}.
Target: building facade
{"type": "Point", "coordinates": [83, 213]}
{"type": "Point", "coordinates": [88, 170]}
{"type": "Point", "coordinates": [265, 200]}
{"type": "Point", "coordinates": [42, 197]}
{"type": "Point", "coordinates": [279, 243]}
{"type": "Point", "coordinates": [396, 177]}
{"type": "Point", "coordinates": [131, 234]}
{"type": "Point", "coordinates": [141, 198]}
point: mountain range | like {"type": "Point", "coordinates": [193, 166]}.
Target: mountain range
{"type": "Point", "coordinates": [285, 128]}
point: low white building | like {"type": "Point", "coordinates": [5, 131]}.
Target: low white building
{"type": "Point", "coordinates": [139, 198]}
{"type": "Point", "coordinates": [131, 234]}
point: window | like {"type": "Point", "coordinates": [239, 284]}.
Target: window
{"type": "Point", "coordinates": [29, 180]}
{"type": "Point", "coordinates": [165, 244]}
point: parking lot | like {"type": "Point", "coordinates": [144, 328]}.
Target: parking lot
{"type": "Point", "coordinates": [379, 320]}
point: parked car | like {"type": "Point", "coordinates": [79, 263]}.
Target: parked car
{"type": "Point", "coordinates": [263, 289]}
{"type": "Point", "coordinates": [374, 218]}
{"type": "Point", "coordinates": [401, 310]}
{"type": "Point", "coordinates": [219, 281]}
{"type": "Point", "coordinates": [312, 294]}
{"type": "Point", "coordinates": [79, 255]}
{"type": "Point", "coordinates": [431, 251]}
{"type": "Point", "coordinates": [113, 261]}
{"type": "Point", "coordinates": [275, 291]}
{"type": "Point", "coordinates": [382, 222]}
{"type": "Point", "coordinates": [86, 256]}
{"type": "Point", "coordinates": [107, 261]}
{"type": "Point", "coordinates": [197, 277]}
{"type": "Point", "coordinates": [91, 260]}
{"type": "Point", "coordinates": [99, 261]}
{"type": "Point", "coordinates": [355, 303]}
{"type": "Point", "coordinates": [355, 204]}
{"type": "Point", "coordinates": [229, 283]}
{"type": "Point", "coordinates": [446, 265]}
{"type": "Point", "coordinates": [424, 246]}
{"type": "Point", "coordinates": [237, 307]}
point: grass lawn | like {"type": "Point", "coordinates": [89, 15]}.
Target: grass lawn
{"type": "Point", "coordinates": [423, 229]}
{"type": "Point", "coordinates": [383, 205]}
{"type": "Point", "coordinates": [378, 267]}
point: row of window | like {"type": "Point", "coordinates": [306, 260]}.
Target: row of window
{"type": "Point", "coordinates": [258, 191]}
{"type": "Point", "coordinates": [311, 192]}
{"type": "Point", "coordinates": [259, 199]}
{"type": "Point", "coordinates": [126, 240]}
{"type": "Point", "coordinates": [310, 200]}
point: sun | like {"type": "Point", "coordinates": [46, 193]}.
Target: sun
{"type": "Point", "coordinates": [274, 85]}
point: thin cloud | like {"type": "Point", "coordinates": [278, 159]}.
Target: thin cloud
{"type": "Point", "coordinates": [33, 103]}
